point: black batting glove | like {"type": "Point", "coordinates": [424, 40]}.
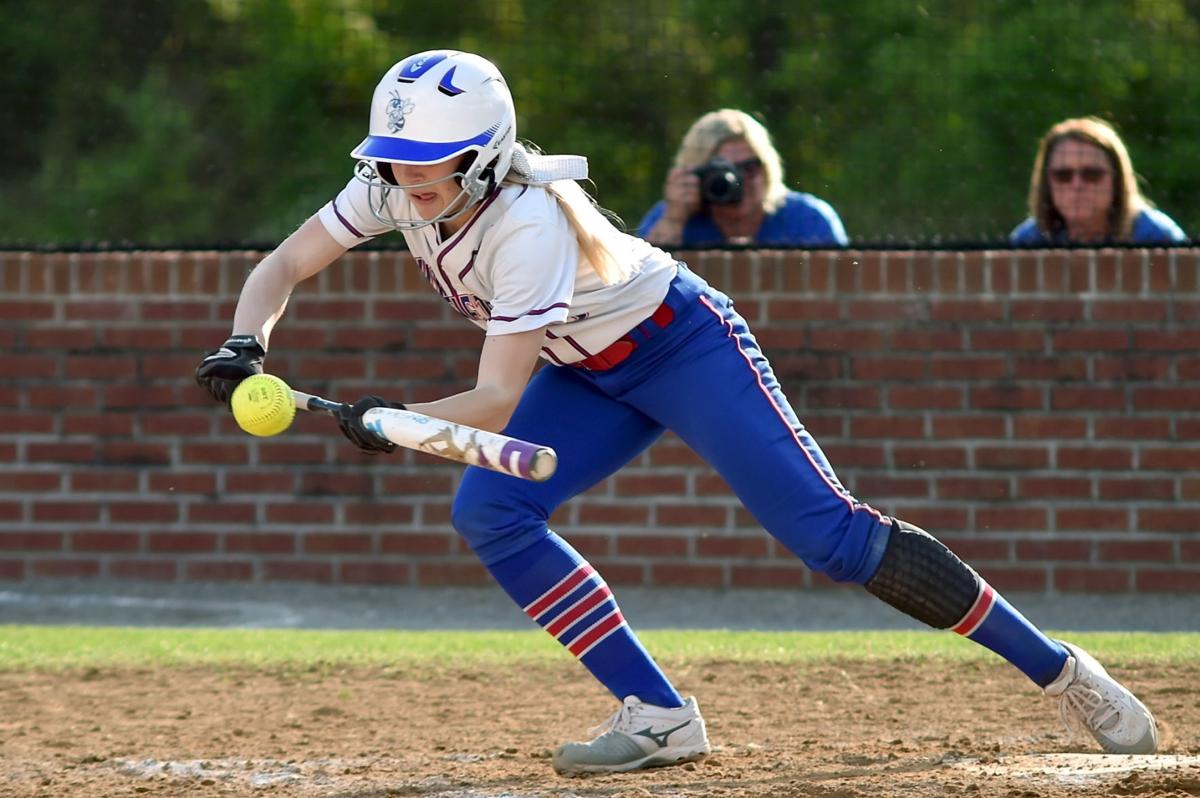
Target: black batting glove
{"type": "Point", "coordinates": [222, 369]}
{"type": "Point", "coordinates": [350, 420]}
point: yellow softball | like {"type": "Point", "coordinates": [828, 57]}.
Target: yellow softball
{"type": "Point", "coordinates": [263, 405]}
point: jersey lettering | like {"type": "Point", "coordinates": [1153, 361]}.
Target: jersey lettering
{"type": "Point", "coordinates": [466, 304]}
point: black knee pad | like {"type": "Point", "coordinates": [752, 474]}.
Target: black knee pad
{"type": "Point", "coordinates": [922, 578]}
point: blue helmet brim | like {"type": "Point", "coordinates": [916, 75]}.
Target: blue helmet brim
{"type": "Point", "coordinates": [397, 150]}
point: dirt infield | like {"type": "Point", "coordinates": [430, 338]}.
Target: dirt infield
{"type": "Point", "coordinates": [831, 730]}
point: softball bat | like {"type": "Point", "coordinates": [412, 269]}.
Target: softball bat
{"type": "Point", "coordinates": [447, 439]}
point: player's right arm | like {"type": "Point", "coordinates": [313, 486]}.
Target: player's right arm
{"type": "Point", "coordinates": [267, 290]}
{"type": "Point", "coordinates": [263, 299]}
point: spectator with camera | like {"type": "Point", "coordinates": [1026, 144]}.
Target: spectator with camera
{"type": "Point", "coordinates": [1084, 191]}
{"type": "Point", "coordinates": [726, 187]}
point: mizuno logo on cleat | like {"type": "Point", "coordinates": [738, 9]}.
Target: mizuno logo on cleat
{"type": "Point", "coordinates": [661, 737]}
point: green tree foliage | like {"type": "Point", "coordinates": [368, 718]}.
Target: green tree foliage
{"type": "Point", "coordinates": [223, 121]}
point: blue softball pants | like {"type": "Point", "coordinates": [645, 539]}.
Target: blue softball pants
{"type": "Point", "coordinates": [704, 377]}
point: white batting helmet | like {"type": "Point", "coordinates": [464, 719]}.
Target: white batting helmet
{"type": "Point", "coordinates": [429, 108]}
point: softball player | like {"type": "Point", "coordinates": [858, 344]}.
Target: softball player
{"type": "Point", "coordinates": [635, 344]}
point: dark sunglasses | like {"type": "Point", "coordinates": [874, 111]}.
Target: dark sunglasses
{"type": "Point", "coordinates": [750, 165]}
{"type": "Point", "coordinates": [1089, 174]}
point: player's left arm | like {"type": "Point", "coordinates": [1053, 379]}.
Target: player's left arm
{"type": "Point", "coordinates": [505, 365]}
{"type": "Point", "coordinates": [530, 287]}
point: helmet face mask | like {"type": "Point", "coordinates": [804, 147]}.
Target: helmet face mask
{"type": "Point", "coordinates": [430, 108]}
{"type": "Point", "coordinates": [381, 184]}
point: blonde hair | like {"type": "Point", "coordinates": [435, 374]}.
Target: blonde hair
{"type": "Point", "coordinates": [589, 221]}
{"type": "Point", "coordinates": [710, 131]}
{"type": "Point", "coordinates": [1127, 200]}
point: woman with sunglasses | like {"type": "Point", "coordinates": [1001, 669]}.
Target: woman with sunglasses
{"type": "Point", "coordinates": [1084, 191]}
{"type": "Point", "coordinates": [633, 344]}
{"type": "Point", "coordinates": [726, 187]}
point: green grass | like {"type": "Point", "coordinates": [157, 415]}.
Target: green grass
{"type": "Point", "coordinates": [57, 647]}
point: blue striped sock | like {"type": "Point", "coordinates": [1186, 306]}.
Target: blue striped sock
{"type": "Point", "coordinates": [994, 623]}
{"type": "Point", "coordinates": [560, 591]}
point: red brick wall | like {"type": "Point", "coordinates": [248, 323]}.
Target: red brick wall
{"type": "Point", "coordinates": [1036, 410]}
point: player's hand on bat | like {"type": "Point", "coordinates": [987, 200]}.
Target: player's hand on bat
{"type": "Point", "coordinates": [350, 421]}
{"type": "Point", "coordinates": [222, 369]}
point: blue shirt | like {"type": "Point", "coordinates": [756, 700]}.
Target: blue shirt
{"type": "Point", "coordinates": [1151, 226]}
{"type": "Point", "coordinates": [801, 221]}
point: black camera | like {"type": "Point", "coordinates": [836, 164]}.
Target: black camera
{"type": "Point", "coordinates": [721, 182]}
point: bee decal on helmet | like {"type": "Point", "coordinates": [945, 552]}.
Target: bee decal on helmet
{"type": "Point", "coordinates": [397, 110]}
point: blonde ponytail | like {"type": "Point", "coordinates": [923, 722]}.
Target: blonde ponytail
{"type": "Point", "coordinates": [589, 221]}
{"type": "Point", "coordinates": [592, 224]}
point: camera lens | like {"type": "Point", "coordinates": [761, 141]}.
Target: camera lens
{"type": "Point", "coordinates": [720, 182]}
{"type": "Point", "coordinates": [719, 186]}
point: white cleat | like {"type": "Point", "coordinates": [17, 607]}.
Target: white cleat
{"type": "Point", "coordinates": [1089, 697]}
{"type": "Point", "coordinates": [638, 735]}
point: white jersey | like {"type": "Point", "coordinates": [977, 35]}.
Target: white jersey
{"type": "Point", "coordinates": [516, 266]}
